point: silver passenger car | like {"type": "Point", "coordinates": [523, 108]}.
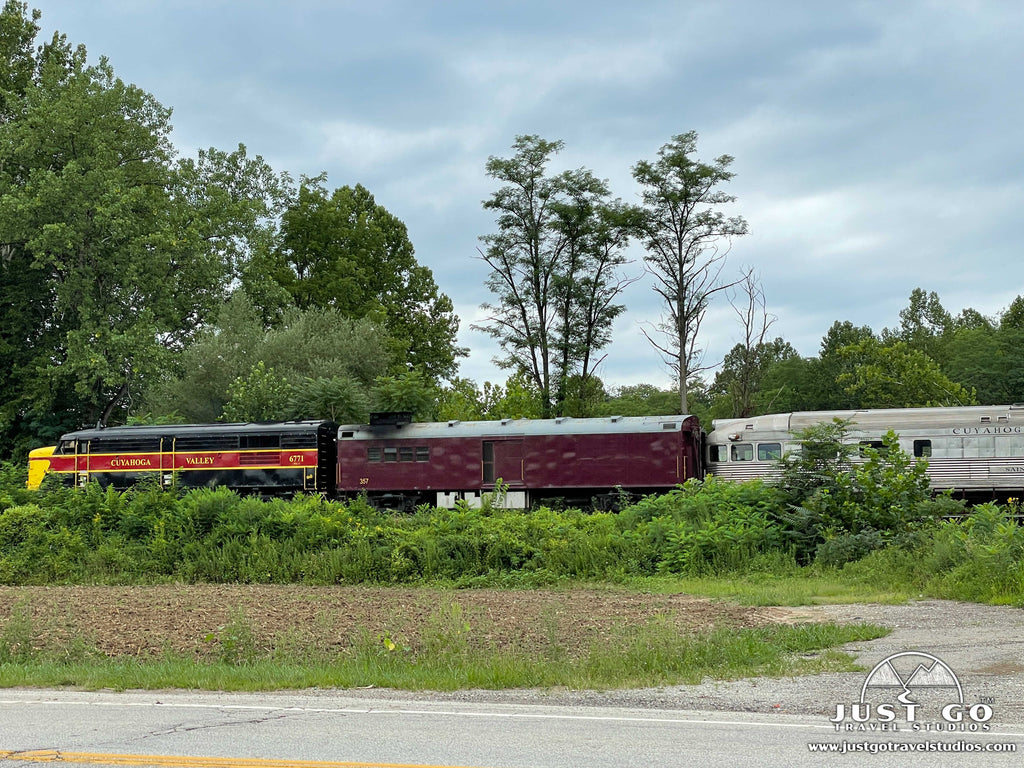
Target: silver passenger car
{"type": "Point", "coordinates": [976, 451]}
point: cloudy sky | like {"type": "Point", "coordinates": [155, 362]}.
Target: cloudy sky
{"type": "Point", "coordinates": [878, 145]}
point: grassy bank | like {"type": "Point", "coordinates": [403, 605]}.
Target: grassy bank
{"type": "Point", "coordinates": [449, 650]}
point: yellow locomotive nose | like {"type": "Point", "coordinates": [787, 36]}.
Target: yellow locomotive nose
{"type": "Point", "coordinates": [39, 465]}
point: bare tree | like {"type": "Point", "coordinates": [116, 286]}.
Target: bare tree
{"type": "Point", "coordinates": [687, 241]}
{"type": "Point", "coordinates": [753, 314]}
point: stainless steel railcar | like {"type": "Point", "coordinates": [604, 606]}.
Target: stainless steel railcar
{"type": "Point", "coordinates": [975, 451]}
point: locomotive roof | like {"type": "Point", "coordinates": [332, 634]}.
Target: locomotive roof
{"type": "Point", "coordinates": [516, 427]}
{"type": "Point", "coordinates": [874, 419]}
{"type": "Point", "coordinates": [166, 430]}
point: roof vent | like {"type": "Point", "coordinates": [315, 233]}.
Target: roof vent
{"type": "Point", "coordinates": [390, 418]}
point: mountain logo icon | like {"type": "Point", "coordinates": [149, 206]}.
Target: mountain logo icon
{"type": "Point", "coordinates": [911, 670]}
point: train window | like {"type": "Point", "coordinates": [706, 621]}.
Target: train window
{"type": "Point", "coordinates": [922, 448]}
{"type": "Point", "coordinates": [422, 453]}
{"type": "Point", "coordinates": [390, 454]}
{"type": "Point", "coordinates": [717, 453]}
{"type": "Point", "coordinates": [742, 452]}
{"type": "Point", "coordinates": [769, 451]}
{"type": "Point", "coordinates": [373, 455]}
{"type": "Point", "coordinates": [66, 447]}
{"type": "Point", "coordinates": [406, 453]}
{"type": "Point", "coordinates": [878, 445]}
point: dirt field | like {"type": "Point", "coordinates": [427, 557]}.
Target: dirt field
{"type": "Point", "coordinates": [148, 620]}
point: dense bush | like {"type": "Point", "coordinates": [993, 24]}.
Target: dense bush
{"type": "Point", "coordinates": [837, 510]}
{"type": "Point", "coordinates": [873, 524]}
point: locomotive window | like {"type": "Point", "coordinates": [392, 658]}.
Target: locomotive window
{"type": "Point", "coordinates": [390, 454]}
{"type": "Point", "coordinates": [922, 448]}
{"type": "Point", "coordinates": [405, 453]}
{"type": "Point", "coordinates": [66, 447]}
{"type": "Point", "coordinates": [742, 452]}
{"type": "Point", "coordinates": [717, 453]}
{"type": "Point", "coordinates": [259, 441]}
{"type": "Point", "coordinates": [373, 454]}
{"type": "Point", "coordinates": [422, 453]}
{"type": "Point", "coordinates": [769, 451]}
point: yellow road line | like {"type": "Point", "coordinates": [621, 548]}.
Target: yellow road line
{"type": "Point", "coordinates": [176, 761]}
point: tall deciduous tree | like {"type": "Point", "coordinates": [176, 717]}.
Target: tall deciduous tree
{"type": "Point", "coordinates": [86, 209]}
{"type": "Point", "coordinates": [554, 269]}
{"type": "Point", "coordinates": [687, 238]}
{"type": "Point", "coordinates": [344, 252]}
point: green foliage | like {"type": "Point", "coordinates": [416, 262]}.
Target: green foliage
{"type": "Point", "coordinates": [896, 376]}
{"type": "Point", "coordinates": [465, 401]}
{"type": "Point", "coordinates": [874, 525]}
{"type": "Point", "coordinates": [704, 527]}
{"type": "Point", "coordinates": [338, 398]}
{"type": "Point", "coordinates": [408, 391]}
{"type": "Point", "coordinates": [344, 252]}
{"type": "Point", "coordinates": [324, 365]}
{"type": "Point", "coordinates": [260, 396]}
{"type": "Point", "coordinates": [839, 508]}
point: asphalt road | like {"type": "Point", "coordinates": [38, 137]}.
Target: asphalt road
{"type": "Point", "coordinates": [248, 731]}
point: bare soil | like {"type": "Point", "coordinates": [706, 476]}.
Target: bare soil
{"type": "Point", "coordinates": [144, 621]}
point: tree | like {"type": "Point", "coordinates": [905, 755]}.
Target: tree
{"type": "Point", "coordinates": [738, 384]}
{"type": "Point", "coordinates": [554, 262]}
{"type": "Point", "coordinates": [329, 363]}
{"type": "Point", "coordinates": [409, 391]}
{"type": "Point", "coordinates": [640, 400]}
{"type": "Point", "coordinates": [85, 209]}
{"type": "Point", "coordinates": [346, 253]}
{"type": "Point", "coordinates": [261, 395]}
{"type": "Point", "coordinates": [687, 239]}
{"type": "Point", "coordinates": [465, 401]}
{"type": "Point", "coordinates": [896, 376]}
{"type": "Point", "coordinates": [229, 206]}
{"type": "Point", "coordinates": [987, 356]}
{"type": "Point", "coordinates": [923, 324]}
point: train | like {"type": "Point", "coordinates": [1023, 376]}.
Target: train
{"type": "Point", "coordinates": [973, 451]}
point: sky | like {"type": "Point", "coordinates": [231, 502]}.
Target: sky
{"type": "Point", "coordinates": [877, 145]}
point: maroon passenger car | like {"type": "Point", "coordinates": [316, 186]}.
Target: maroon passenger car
{"type": "Point", "coordinates": [580, 460]}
